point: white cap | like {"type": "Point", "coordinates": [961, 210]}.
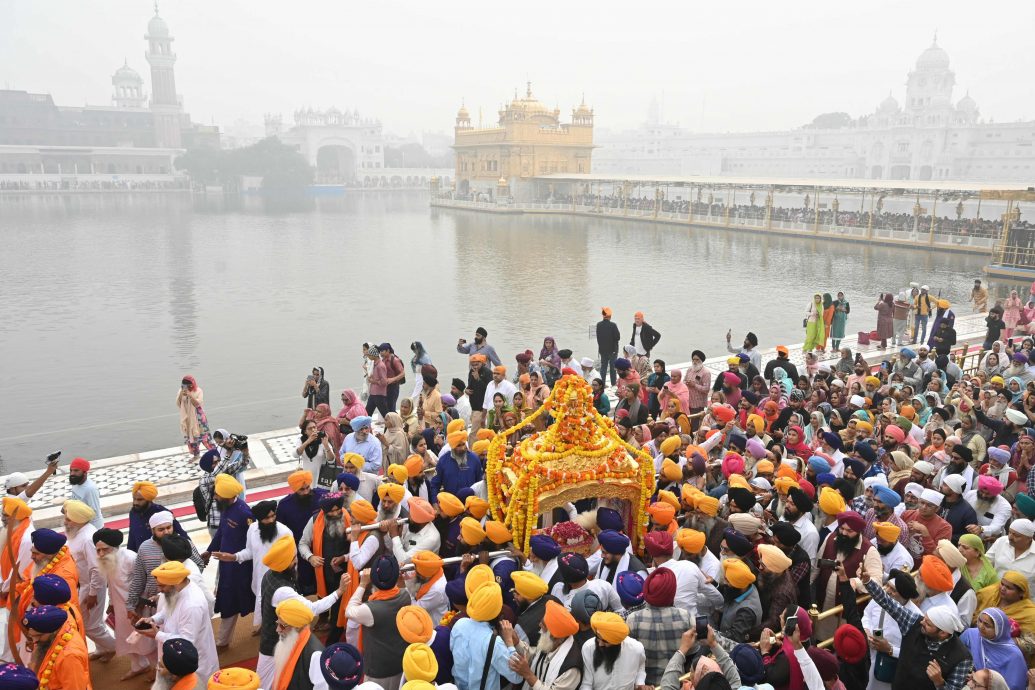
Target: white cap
{"type": "Point", "coordinates": [162, 517]}
{"type": "Point", "coordinates": [586, 363]}
{"type": "Point", "coordinates": [931, 496]}
{"type": "Point", "coordinates": [1023, 526]}
{"type": "Point", "coordinates": [914, 285]}
{"type": "Point", "coordinates": [924, 287]}
{"type": "Point", "coordinates": [956, 482]}
{"type": "Point", "coordinates": [923, 467]}
{"type": "Point", "coordinates": [823, 366]}
{"type": "Point", "coordinates": [945, 618]}
{"type": "Point", "coordinates": [761, 483]}
{"type": "Point", "coordinates": [914, 488]}
{"type": "Point", "coordinates": [15, 479]}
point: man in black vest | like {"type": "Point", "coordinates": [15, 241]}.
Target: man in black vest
{"type": "Point", "coordinates": [531, 593]}
{"type": "Point", "coordinates": [644, 337]}
{"type": "Point", "coordinates": [374, 606]}
{"type": "Point", "coordinates": [932, 656]}
{"type": "Point", "coordinates": [297, 653]}
{"type": "Point", "coordinates": [556, 644]}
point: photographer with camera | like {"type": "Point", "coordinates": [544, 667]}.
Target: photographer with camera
{"type": "Point", "coordinates": [314, 450]}
{"type": "Point", "coordinates": [316, 389]}
{"type": "Point", "coordinates": [231, 458]}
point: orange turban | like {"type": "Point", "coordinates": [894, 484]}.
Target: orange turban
{"type": "Point", "coordinates": [787, 471]}
{"type": "Point", "coordinates": [936, 575]}
{"type": "Point", "coordinates": [449, 504]}
{"type": "Point", "coordinates": [737, 573]}
{"type": "Point", "coordinates": [480, 447]}
{"type": "Point", "coordinates": [170, 573]}
{"type": "Point", "coordinates": [393, 491]}
{"type": "Point", "coordinates": [497, 532]}
{"type": "Point", "coordinates": [16, 508]}
{"type": "Point", "coordinates": [299, 478]}
{"type": "Point", "coordinates": [476, 506]}
{"type": "Point", "coordinates": [785, 484]}
{"type": "Point", "coordinates": [363, 511]}
{"type": "Point", "coordinates": [738, 481]}
{"type": "Point", "coordinates": [499, 369]}
{"type": "Point", "coordinates": [420, 510]}
{"type": "Point", "coordinates": [669, 446]}
{"type": "Point", "coordinates": [397, 472]}
{"type": "Point", "coordinates": [476, 577]}
{"type": "Point", "coordinates": [764, 467]}
{"type": "Point", "coordinates": [147, 490]}
{"type": "Point", "coordinates": [669, 498]}
{"type": "Point", "coordinates": [662, 513]}
{"type": "Point", "coordinates": [887, 531]}
{"type": "Point", "coordinates": [670, 471]}
{"type": "Point", "coordinates": [485, 435]}
{"type": "Point", "coordinates": [687, 495]}
{"type": "Point", "coordinates": [471, 532]}
{"type": "Point", "coordinates": [427, 563]}
{"type": "Point", "coordinates": [559, 621]}
{"type": "Point", "coordinates": [234, 678]}
{"type": "Point", "coordinates": [414, 624]}
{"type": "Point", "coordinates": [414, 465]}
{"type": "Point", "coordinates": [709, 505]}
{"type": "Point", "coordinates": [456, 438]}
{"type": "Point", "coordinates": [690, 541]}
{"type": "Point", "coordinates": [455, 425]}
{"type": "Point", "coordinates": [610, 627]}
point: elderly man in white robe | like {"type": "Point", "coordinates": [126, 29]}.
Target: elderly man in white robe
{"type": "Point", "coordinates": [556, 661]}
{"type": "Point", "coordinates": [183, 612]}
{"type": "Point", "coordinates": [92, 590]}
{"type": "Point", "coordinates": [116, 565]}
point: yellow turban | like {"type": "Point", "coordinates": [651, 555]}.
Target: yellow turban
{"type": "Point", "coordinates": [773, 558]}
{"type": "Point", "coordinates": [354, 459]}
{"type": "Point", "coordinates": [476, 577]}
{"type": "Point", "coordinates": [690, 541]}
{"type": "Point", "coordinates": [414, 465]}
{"type": "Point", "coordinates": [485, 435]}
{"type": "Point", "coordinates": [669, 498]}
{"type": "Point", "coordinates": [393, 491]}
{"type": "Point", "coordinates": [170, 573]}
{"type": "Point", "coordinates": [709, 505]}
{"type": "Point", "coordinates": [733, 360]}
{"type": "Point", "coordinates": [497, 532]}
{"type": "Point", "coordinates": [687, 495]}
{"type": "Point", "coordinates": [737, 573]}
{"type": "Point", "coordinates": [419, 662]}
{"type": "Point", "coordinates": [398, 473]}
{"type": "Point", "coordinates": [414, 623]}
{"type": "Point", "coordinates": [480, 447]}
{"type": "Point", "coordinates": [670, 471]}
{"type": "Point", "coordinates": [456, 438]}
{"type": "Point", "coordinates": [427, 563]}
{"type": "Point", "coordinates": [455, 425]}
{"type": "Point", "coordinates": [887, 531]}
{"type": "Point", "coordinates": [764, 467]}
{"type": "Point", "coordinates": [864, 426]}
{"type": "Point", "coordinates": [476, 506]}
{"type": "Point", "coordinates": [294, 613]}
{"type": "Point", "coordinates": [280, 554]}
{"type": "Point", "coordinates": [227, 486]}
{"type": "Point", "coordinates": [234, 679]}
{"type": "Point", "coordinates": [871, 381]}
{"type": "Point", "coordinates": [16, 508]}
{"type": "Point", "coordinates": [830, 501]}
{"type": "Point", "coordinates": [610, 627]}
{"type": "Point", "coordinates": [670, 445]}
{"type": "Point", "coordinates": [785, 484]}
{"type": "Point", "coordinates": [78, 512]}
{"type": "Point", "coordinates": [471, 531]}
{"type": "Point", "coordinates": [299, 478]}
{"type": "Point", "coordinates": [417, 685]}
{"type": "Point", "coordinates": [528, 584]}
{"type": "Point", "coordinates": [363, 511]}
{"type": "Point", "coordinates": [449, 504]}
{"type": "Point", "coordinates": [147, 490]}
{"type": "Point", "coordinates": [738, 481]}
{"type": "Point", "coordinates": [757, 422]}
{"type": "Point", "coordinates": [486, 602]}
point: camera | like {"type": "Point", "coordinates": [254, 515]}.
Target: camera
{"type": "Point", "coordinates": [53, 457]}
{"type": "Point", "coordinates": [827, 563]}
{"type": "Point", "coordinates": [238, 442]}
{"type": "Point", "coordinates": [142, 625]}
{"type": "Point", "coordinates": [321, 435]}
{"type": "Point", "coordinates": [310, 378]}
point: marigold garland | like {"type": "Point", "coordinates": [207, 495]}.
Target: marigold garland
{"type": "Point", "coordinates": [580, 446]}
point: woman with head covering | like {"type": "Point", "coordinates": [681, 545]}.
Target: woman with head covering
{"type": "Point", "coordinates": [325, 422]}
{"type": "Point", "coordinates": [793, 442]}
{"type": "Point", "coordinates": [352, 406]}
{"type": "Point", "coordinates": [550, 360]}
{"type": "Point", "coordinates": [815, 329]}
{"type": "Point", "coordinates": [673, 411]}
{"type": "Point", "coordinates": [885, 319]}
{"type": "Point", "coordinates": [193, 421]}
{"type": "Point", "coordinates": [432, 440]}
{"type": "Point", "coordinates": [978, 571]}
{"type": "Point", "coordinates": [828, 317]}
{"type": "Point", "coordinates": [395, 445]}
{"type": "Point", "coordinates": [314, 451]}
{"type": "Point", "coordinates": [814, 429]}
{"type": "Point", "coordinates": [1011, 313]}
{"type": "Point", "coordinates": [992, 647]}
{"type": "Point", "coordinates": [1012, 595]}
{"type": "Point", "coordinates": [500, 406]}
{"type": "Point", "coordinates": [408, 413]}
{"type": "Point", "coordinates": [675, 388]}
{"type": "Point", "coordinates": [839, 320]}
{"type": "Point", "coordinates": [845, 365]}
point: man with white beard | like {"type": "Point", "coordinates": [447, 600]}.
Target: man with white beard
{"type": "Point", "coordinates": [183, 612]}
{"type": "Point", "coordinates": [177, 666]}
{"type": "Point", "coordinates": [116, 565]}
{"type": "Point", "coordinates": [297, 653]}
{"type": "Point", "coordinates": [557, 660]}
{"type": "Point", "coordinates": [993, 511]}
{"type": "Point", "coordinates": [260, 537]}
{"type": "Point", "coordinates": [16, 518]}
{"type": "Point", "coordinates": [80, 531]}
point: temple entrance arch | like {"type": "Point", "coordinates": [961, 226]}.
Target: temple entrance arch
{"type": "Point", "coordinates": [335, 163]}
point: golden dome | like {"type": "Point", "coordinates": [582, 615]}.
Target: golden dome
{"type": "Point", "coordinates": [462, 114]}
{"type": "Point", "coordinates": [529, 104]}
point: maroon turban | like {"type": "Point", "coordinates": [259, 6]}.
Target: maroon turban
{"type": "Point", "coordinates": [659, 589]}
{"type": "Point", "coordinates": [658, 543]}
{"type": "Point", "coordinates": [852, 520]}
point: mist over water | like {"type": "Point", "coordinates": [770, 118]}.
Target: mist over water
{"type": "Point", "coordinates": [108, 302]}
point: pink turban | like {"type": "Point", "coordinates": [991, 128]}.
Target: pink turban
{"type": "Point", "coordinates": [756, 448]}
{"type": "Point", "coordinates": [990, 485]}
{"type": "Point", "coordinates": [732, 464]}
{"type": "Point", "coordinates": [896, 433]}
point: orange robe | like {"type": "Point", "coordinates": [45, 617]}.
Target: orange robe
{"type": "Point", "coordinates": [186, 683]}
{"type": "Point", "coordinates": [61, 565]}
{"type": "Point", "coordinates": [68, 661]}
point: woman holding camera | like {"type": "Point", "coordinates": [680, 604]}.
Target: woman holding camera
{"type": "Point", "coordinates": [314, 448]}
{"type": "Point", "coordinates": [193, 422]}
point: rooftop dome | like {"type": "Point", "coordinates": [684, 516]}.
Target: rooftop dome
{"type": "Point", "coordinates": [933, 57]}
{"type": "Point", "coordinates": [157, 26]}
{"type": "Point", "coordinates": [529, 103]}
{"type": "Point", "coordinates": [967, 104]}
{"type": "Point", "coordinates": [888, 105]}
{"type": "Point", "coordinates": [127, 73]}
{"type": "Point", "coordinates": [462, 114]}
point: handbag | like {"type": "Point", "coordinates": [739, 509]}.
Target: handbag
{"type": "Point", "coordinates": [200, 504]}
{"type": "Point", "coordinates": [884, 665]}
{"type": "Point", "coordinates": [805, 322]}
{"type": "Point", "coordinates": [328, 474]}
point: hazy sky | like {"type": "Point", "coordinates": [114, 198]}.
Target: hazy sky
{"type": "Point", "coordinates": [714, 66]}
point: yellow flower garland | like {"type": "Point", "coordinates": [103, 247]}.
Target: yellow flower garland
{"type": "Point", "coordinates": [48, 663]}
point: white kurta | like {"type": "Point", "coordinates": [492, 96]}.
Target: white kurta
{"type": "Point", "coordinates": [871, 620]}
{"type": "Point", "coordinates": [898, 558]}
{"type": "Point", "coordinates": [630, 668]}
{"type": "Point", "coordinates": [254, 550]}
{"type": "Point", "coordinates": [199, 580]}
{"type": "Point", "coordinates": [118, 589]}
{"type": "Point", "coordinates": [91, 582]}
{"type": "Point", "coordinates": [689, 582]}
{"type": "Point", "coordinates": [191, 620]}
{"type": "Point", "coordinates": [434, 601]}
{"type": "Point", "coordinates": [409, 543]}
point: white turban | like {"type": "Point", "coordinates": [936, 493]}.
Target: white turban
{"type": "Point", "coordinates": [932, 496]}
{"type": "Point", "coordinates": [282, 594]}
{"type": "Point", "coordinates": [945, 618]}
{"type": "Point", "coordinates": [914, 488]}
{"type": "Point", "coordinates": [956, 482]}
{"type": "Point", "coordinates": [761, 483]}
{"type": "Point", "coordinates": [162, 517]}
{"type": "Point", "coordinates": [1023, 526]}
{"type": "Point", "coordinates": [857, 400]}
{"type": "Point", "coordinates": [15, 479]}
{"type": "Point", "coordinates": [1016, 416]}
{"type": "Point", "coordinates": [923, 467]}
{"type": "Point", "coordinates": [746, 524]}
{"type": "Point", "coordinates": [875, 479]}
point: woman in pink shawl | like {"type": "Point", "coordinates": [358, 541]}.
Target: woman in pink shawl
{"type": "Point", "coordinates": [327, 423]}
{"type": "Point", "coordinates": [193, 421]}
{"type": "Point", "coordinates": [675, 388]}
{"type": "Point", "coordinates": [780, 662]}
{"type": "Point", "coordinates": [794, 442]}
{"type": "Point", "coordinates": [352, 407]}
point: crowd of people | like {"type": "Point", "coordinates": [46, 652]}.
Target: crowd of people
{"type": "Point", "coordinates": [842, 525]}
{"type": "Point", "coordinates": [74, 184]}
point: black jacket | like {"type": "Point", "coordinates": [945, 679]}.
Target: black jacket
{"type": "Point", "coordinates": [608, 337]}
{"type": "Point", "coordinates": [648, 336]}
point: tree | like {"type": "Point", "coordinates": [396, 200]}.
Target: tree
{"type": "Point", "coordinates": [284, 171]}
{"type": "Point", "coordinates": [837, 120]}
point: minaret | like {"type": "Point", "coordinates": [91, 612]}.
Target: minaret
{"type": "Point", "coordinates": [165, 105]}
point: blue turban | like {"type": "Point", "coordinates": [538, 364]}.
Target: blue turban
{"type": "Point", "coordinates": [908, 353]}
{"type": "Point", "coordinates": [358, 423]}
{"type": "Point", "coordinates": [209, 460]}
{"type": "Point", "coordinates": [833, 440]}
{"type": "Point", "coordinates": [743, 357]}
{"type": "Point", "coordinates": [15, 677]}
{"type": "Point", "coordinates": [544, 547]}
{"type": "Point", "coordinates": [737, 542]}
{"type": "Point", "coordinates": [573, 568]}
{"type": "Point", "coordinates": [609, 518]}
{"type": "Point", "coordinates": [584, 604]}
{"type": "Point", "coordinates": [45, 619]}
{"type": "Point", "coordinates": [865, 451]}
{"type": "Point", "coordinates": [738, 441]}
{"type": "Point", "coordinates": [886, 495]}
{"type": "Point", "coordinates": [999, 455]}
{"type": "Point", "coordinates": [748, 661]}
{"type": "Point", "coordinates": [464, 493]}
{"type": "Point", "coordinates": [342, 666]}
{"type": "Point", "coordinates": [384, 574]}
{"type": "Point", "coordinates": [819, 464]}
{"type": "Point", "coordinates": [630, 589]}
{"type": "Point", "coordinates": [179, 656]}
{"type": "Point", "coordinates": [825, 478]}
{"type": "Point", "coordinates": [857, 466]}
{"type": "Point", "coordinates": [455, 592]}
{"type": "Point", "coordinates": [48, 541]}
{"type": "Point", "coordinates": [349, 480]}
{"type": "Point", "coordinates": [623, 363]}
{"type": "Point", "coordinates": [51, 590]}
{"type": "Point", "coordinates": [331, 501]}
{"type": "Point", "coordinates": [613, 542]}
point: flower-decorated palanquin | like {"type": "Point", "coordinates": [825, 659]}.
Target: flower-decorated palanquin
{"type": "Point", "coordinates": [579, 456]}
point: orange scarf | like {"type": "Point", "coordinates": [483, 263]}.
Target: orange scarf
{"type": "Point", "coordinates": [427, 585]}
{"type": "Point", "coordinates": [289, 668]}
{"type": "Point", "coordinates": [186, 683]}
{"type": "Point", "coordinates": [14, 543]}
{"type": "Point", "coordinates": [58, 565]}
{"type": "Point", "coordinates": [354, 579]}
{"type": "Point", "coordinates": [379, 595]}
{"type": "Point", "coordinates": [319, 524]}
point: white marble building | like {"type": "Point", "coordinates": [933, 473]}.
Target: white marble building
{"type": "Point", "coordinates": [926, 137]}
{"type": "Point", "coordinates": [342, 146]}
